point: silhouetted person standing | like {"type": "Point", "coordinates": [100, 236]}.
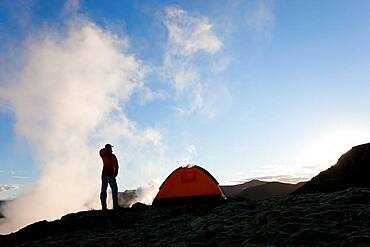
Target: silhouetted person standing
{"type": "Point", "coordinates": [108, 176]}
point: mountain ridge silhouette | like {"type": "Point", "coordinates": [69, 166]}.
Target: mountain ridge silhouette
{"type": "Point", "coordinates": [351, 170]}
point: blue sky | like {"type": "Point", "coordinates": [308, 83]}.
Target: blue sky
{"type": "Point", "coordinates": [243, 88]}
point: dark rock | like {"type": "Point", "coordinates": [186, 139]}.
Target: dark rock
{"type": "Point", "coordinates": [139, 206]}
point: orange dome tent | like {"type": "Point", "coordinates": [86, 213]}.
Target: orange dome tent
{"type": "Point", "coordinates": [189, 183]}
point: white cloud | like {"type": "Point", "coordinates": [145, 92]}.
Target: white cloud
{"type": "Point", "coordinates": [19, 11]}
{"type": "Point", "coordinates": [220, 64]}
{"type": "Point", "coordinates": [5, 187]}
{"type": "Point", "coordinates": [192, 151]}
{"type": "Point", "coordinates": [10, 192]}
{"type": "Point", "coordinates": [21, 177]}
{"type": "Point", "coordinates": [71, 8]}
{"type": "Point", "coordinates": [260, 17]}
{"type": "Point", "coordinates": [280, 173]}
{"type": "Point", "coordinates": [147, 95]}
{"type": "Point", "coordinates": [187, 156]}
{"type": "Point", "coordinates": [284, 178]}
{"type": "Point", "coordinates": [188, 35]}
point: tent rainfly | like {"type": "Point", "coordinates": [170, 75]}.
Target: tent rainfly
{"type": "Point", "coordinates": [189, 184]}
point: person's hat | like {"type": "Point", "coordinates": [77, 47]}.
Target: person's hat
{"type": "Point", "coordinates": [108, 145]}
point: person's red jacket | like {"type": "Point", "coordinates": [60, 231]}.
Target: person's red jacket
{"type": "Point", "coordinates": [110, 163]}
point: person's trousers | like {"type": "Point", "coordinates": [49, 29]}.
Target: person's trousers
{"type": "Point", "coordinates": [111, 180]}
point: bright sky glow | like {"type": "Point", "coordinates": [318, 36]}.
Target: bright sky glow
{"type": "Point", "coordinates": [246, 89]}
{"type": "Point", "coordinates": [329, 146]}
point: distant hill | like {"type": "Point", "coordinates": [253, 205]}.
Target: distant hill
{"type": "Point", "coordinates": [268, 190]}
{"type": "Point", "coordinates": [234, 190]}
{"type": "Point", "coordinates": [351, 170]}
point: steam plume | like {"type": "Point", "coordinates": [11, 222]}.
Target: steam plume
{"type": "Point", "coordinates": [67, 96]}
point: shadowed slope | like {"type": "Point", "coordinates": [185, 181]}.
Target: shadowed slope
{"type": "Point", "coordinates": [351, 170]}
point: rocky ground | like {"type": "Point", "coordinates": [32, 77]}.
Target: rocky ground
{"type": "Point", "coordinates": [336, 219]}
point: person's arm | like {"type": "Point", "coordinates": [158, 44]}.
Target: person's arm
{"type": "Point", "coordinates": [102, 152]}
{"type": "Point", "coordinates": [115, 165]}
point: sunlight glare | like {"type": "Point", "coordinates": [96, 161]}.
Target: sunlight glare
{"type": "Point", "coordinates": [326, 149]}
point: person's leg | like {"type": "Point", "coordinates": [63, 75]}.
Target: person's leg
{"type": "Point", "coordinates": [114, 187]}
{"type": "Point", "coordinates": [103, 192]}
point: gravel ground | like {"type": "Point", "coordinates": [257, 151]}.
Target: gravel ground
{"type": "Point", "coordinates": [335, 219]}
